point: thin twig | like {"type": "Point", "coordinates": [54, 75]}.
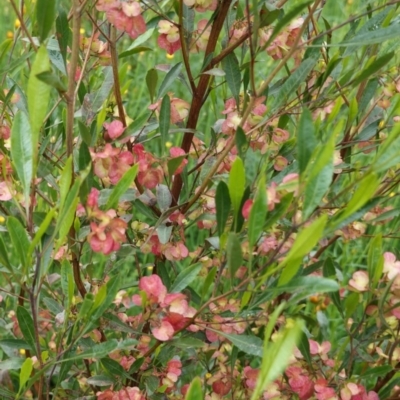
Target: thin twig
{"type": "Point", "coordinates": [23, 26]}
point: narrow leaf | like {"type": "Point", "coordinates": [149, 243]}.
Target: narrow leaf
{"type": "Point", "coordinates": [236, 184]}
{"type": "Point", "coordinates": [62, 29]}
{"type": "Point", "coordinates": [242, 143]}
{"type": "Point", "coordinates": [52, 79]}
{"type": "Point", "coordinates": [122, 186]}
{"type": "Point", "coordinates": [375, 260]}
{"type": "Point", "coordinates": [251, 345]}
{"type": "Point", "coordinates": [304, 243]}
{"type": "Point", "coordinates": [185, 278]}
{"type": "Point", "coordinates": [97, 351]}
{"type": "Point", "coordinates": [373, 37]}
{"type": "Point", "coordinates": [169, 79]}
{"type": "Point", "coordinates": [277, 355]}
{"type": "Point", "coordinates": [223, 206]}
{"type": "Point", "coordinates": [164, 197]}
{"type": "Point", "coordinates": [151, 81]}
{"type": "Point", "coordinates": [258, 213]}
{"type": "Point", "coordinates": [165, 118]}
{"type": "Point", "coordinates": [214, 72]}
{"type": "Point", "coordinates": [67, 283]}
{"type": "Point", "coordinates": [173, 164]}
{"type": "Point", "coordinates": [25, 373]}
{"type": "Point", "coordinates": [41, 231]}
{"type": "Point", "coordinates": [114, 368]}
{"type": "Point", "coordinates": [231, 68]}
{"type": "Point", "coordinates": [306, 140]}
{"type": "Point", "coordinates": [38, 99]}
{"type": "Point", "coordinates": [233, 254]}
{"type": "Point", "coordinates": [292, 83]}
{"type": "Point", "coordinates": [25, 323]}
{"type": "Point", "coordinates": [67, 212]}
{"type": "Point", "coordinates": [372, 68]}
{"type": "Point", "coordinates": [45, 16]}
{"type": "Point", "coordinates": [19, 240]}
{"type": "Point", "coordinates": [195, 391]}
{"type": "Point", "coordinates": [164, 233]}
{"type": "Point", "coordinates": [4, 255]}
{"type": "Point", "coordinates": [364, 192]}
{"type": "Point", "coordinates": [21, 152]}
{"type": "Point", "coordinates": [112, 287]}
{"type": "Point", "coordinates": [316, 189]}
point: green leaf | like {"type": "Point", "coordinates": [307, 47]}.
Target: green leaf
{"type": "Point", "coordinates": [186, 343]}
{"type": "Point", "coordinates": [169, 79]}
{"type": "Point", "coordinates": [164, 233]}
{"type": "Point", "coordinates": [45, 16]}
{"type": "Point", "coordinates": [65, 181]}
{"type": "Point", "coordinates": [374, 65]}
{"type": "Point", "coordinates": [21, 152]}
{"type": "Point", "coordinates": [290, 86]}
{"type": "Point", "coordinates": [93, 101]}
{"type": "Point", "coordinates": [236, 184]}
{"type": "Point", "coordinates": [114, 368]}
{"type": "Point", "coordinates": [316, 189]}
{"type": "Point", "coordinates": [11, 363]}
{"type": "Point", "coordinates": [307, 285]}
{"type": "Point", "coordinates": [164, 197]}
{"type": "Point", "coordinates": [19, 240]}
{"type": "Point", "coordinates": [249, 344]}
{"type": "Point", "coordinates": [100, 380]}
{"type": "Point", "coordinates": [138, 125]}
{"type": "Point", "coordinates": [38, 99]}
{"type": "Point", "coordinates": [67, 212]}
{"type": "Point", "coordinates": [139, 49]}
{"type": "Point", "coordinates": [279, 210]}
{"type": "Point", "coordinates": [222, 205]}
{"type": "Point", "coordinates": [165, 118]}
{"type": "Point", "coordinates": [122, 186]}
{"type": "Point", "coordinates": [25, 373]}
{"type": "Point", "coordinates": [100, 350]}
{"type": "Point", "coordinates": [234, 255]}
{"type": "Point", "coordinates": [67, 283]}
{"type": "Point", "coordinates": [111, 289]}
{"type": "Point", "coordinates": [4, 255]}
{"type": "Point", "coordinates": [173, 164]}
{"type": "Point", "coordinates": [185, 278]}
{"type": "Point", "coordinates": [151, 81]}
{"type": "Point", "coordinates": [361, 196]}
{"type": "Point", "coordinates": [195, 391]}
{"type": "Point", "coordinates": [375, 260]}
{"type": "Point", "coordinates": [304, 347]}
{"type": "Point", "coordinates": [25, 323]}
{"type": "Point", "coordinates": [258, 213]}
{"type": "Point", "coordinates": [242, 143]}
{"type": "Point", "coordinates": [304, 243]}
{"type": "Point", "coordinates": [277, 354]}
{"type": "Point", "coordinates": [41, 231]}
{"type": "Point", "coordinates": [214, 72]}
{"type": "Point", "coordinates": [388, 153]}
{"type": "Point", "coordinates": [62, 29]}
{"type": "Point", "coordinates": [377, 36]}
{"type": "Point", "coordinates": [14, 344]}
{"type": "Point", "coordinates": [86, 306]}
{"type": "Point", "coordinates": [210, 278]}
{"type": "Point", "coordinates": [230, 65]}
{"type": "Point", "coordinates": [306, 141]}
{"type": "Point", "coordinates": [52, 79]}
